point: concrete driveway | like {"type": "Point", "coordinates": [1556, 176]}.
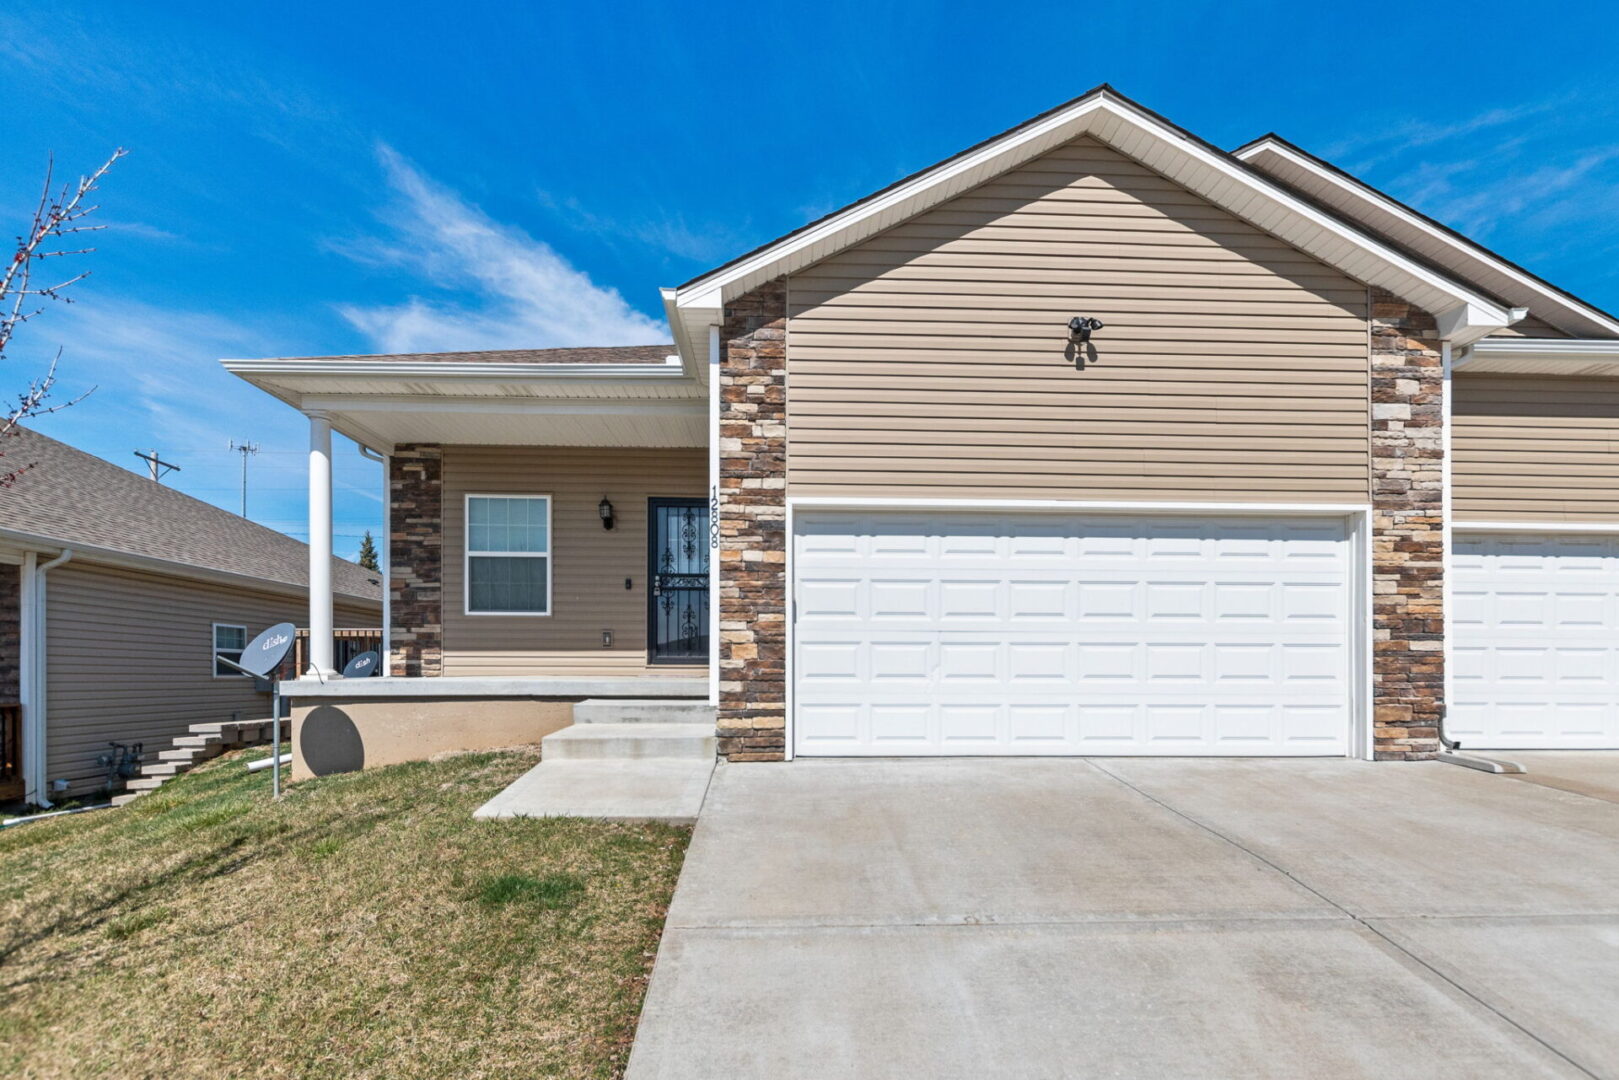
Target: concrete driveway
{"type": "Point", "coordinates": [1138, 918]}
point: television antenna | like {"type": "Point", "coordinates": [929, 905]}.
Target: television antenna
{"type": "Point", "coordinates": [156, 467]}
{"type": "Point", "coordinates": [259, 659]}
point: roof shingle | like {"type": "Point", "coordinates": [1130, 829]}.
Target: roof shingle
{"type": "Point", "coordinates": [70, 497]}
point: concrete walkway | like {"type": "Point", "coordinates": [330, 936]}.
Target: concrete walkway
{"type": "Point", "coordinates": [1138, 918]}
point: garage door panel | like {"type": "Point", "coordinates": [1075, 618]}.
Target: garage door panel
{"type": "Point", "coordinates": [1534, 660]}
{"type": "Point", "coordinates": [1028, 634]}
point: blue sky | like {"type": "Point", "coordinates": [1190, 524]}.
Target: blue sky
{"type": "Point", "coordinates": [359, 177]}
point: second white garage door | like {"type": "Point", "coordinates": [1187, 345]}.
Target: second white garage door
{"type": "Point", "coordinates": [1535, 649]}
{"type": "Point", "coordinates": [967, 634]}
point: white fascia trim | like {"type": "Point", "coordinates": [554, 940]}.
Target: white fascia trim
{"type": "Point", "coordinates": [502, 406]}
{"type": "Point", "coordinates": [1415, 221]}
{"type": "Point", "coordinates": [1536, 526]}
{"type": "Point", "coordinates": [669, 368]}
{"type": "Point", "coordinates": [832, 502]}
{"type": "Point", "coordinates": [1472, 316]}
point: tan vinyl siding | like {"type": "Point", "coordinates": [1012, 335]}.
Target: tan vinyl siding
{"type": "Point", "coordinates": [589, 563]}
{"type": "Point", "coordinates": [1530, 327]}
{"type": "Point", "coordinates": [931, 360]}
{"type": "Point", "coordinates": [130, 659]}
{"type": "Point", "coordinates": [1528, 449]}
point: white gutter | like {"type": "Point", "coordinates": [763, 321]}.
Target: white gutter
{"type": "Point", "coordinates": [33, 674]}
{"type": "Point", "coordinates": [668, 369]}
{"type": "Point", "coordinates": [385, 555]}
{"type": "Point", "coordinates": [1555, 349]}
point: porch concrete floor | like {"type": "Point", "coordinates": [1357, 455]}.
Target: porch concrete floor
{"type": "Point", "coordinates": [1138, 918]}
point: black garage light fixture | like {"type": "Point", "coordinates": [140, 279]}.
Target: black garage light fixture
{"type": "Point", "coordinates": [1080, 327]}
{"type": "Point", "coordinates": [605, 509]}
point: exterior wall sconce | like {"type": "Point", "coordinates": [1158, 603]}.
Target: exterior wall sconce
{"type": "Point", "coordinates": [605, 509]}
{"type": "Point", "coordinates": [1080, 327]}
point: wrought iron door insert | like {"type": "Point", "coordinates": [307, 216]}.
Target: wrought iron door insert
{"type": "Point", "coordinates": [677, 602]}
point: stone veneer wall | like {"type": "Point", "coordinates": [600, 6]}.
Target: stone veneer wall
{"type": "Point", "coordinates": [10, 634]}
{"type": "Point", "coordinates": [1408, 552]}
{"type": "Point", "coordinates": [753, 526]}
{"type": "Point", "coordinates": [416, 559]}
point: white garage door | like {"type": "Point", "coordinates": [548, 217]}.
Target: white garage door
{"type": "Point", "coordinates": [1534, 641]}
{"type": "Point", "coordinates": [960, 633]}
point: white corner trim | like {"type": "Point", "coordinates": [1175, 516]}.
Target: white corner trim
{"type": "Point", "coordinates": [714, 515]}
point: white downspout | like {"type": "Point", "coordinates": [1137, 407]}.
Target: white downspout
{"type": "Point", "coordinates": [33, 675]}
{"type": "Point", "coordinates": [714, 515]}
{"type": "Point", "coordinates": [320, 546]}
{"type": "Point", "coordinates": [385, 555]}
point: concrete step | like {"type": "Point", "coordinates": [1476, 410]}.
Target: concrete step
{"type": "Point", "coordinates": [631, 742]}
{"type": "Point", "coordinates": [196, 741]}
{"type": "Point", "coordinates": [190, 754]}
{"type": "Point", "coordinates": [643, 711]}
{"type": "Point", "coordinates": [169, 769]}
{"type": "Point", "coordinates": [649, 789]}
{"type": "Point", "coordinates": [126, 798]}
{"type": "Point", "coordinates": [146, 783]}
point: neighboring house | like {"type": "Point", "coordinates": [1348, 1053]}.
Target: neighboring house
{"type": "Point", "coordinates": [115, 593]}
{"type": "Point", "coordinates": [1325, 467]}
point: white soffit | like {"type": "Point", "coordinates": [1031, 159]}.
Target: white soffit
{"type": "Point", "coordinates": [1554, 357]}
{"type": "Point", "coordinates": [1432, 241]}
{"type": "Point", "coordinates": [1465, 315]}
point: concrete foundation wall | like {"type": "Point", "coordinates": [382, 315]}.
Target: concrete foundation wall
{"type": "Point", "coordinates": [335, 736]}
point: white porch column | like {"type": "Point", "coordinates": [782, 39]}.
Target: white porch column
{"type": "Point", "coordinates": [320, 545]}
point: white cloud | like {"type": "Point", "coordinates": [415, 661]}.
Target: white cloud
{"type": "Point", "coordinates": [508, 289]}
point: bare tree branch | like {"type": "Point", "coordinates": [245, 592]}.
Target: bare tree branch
{"type": "Point", "coordinates": [56, 217]}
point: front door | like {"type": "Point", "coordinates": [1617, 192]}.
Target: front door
{"type": "Point", "coordinates": [677, 556]}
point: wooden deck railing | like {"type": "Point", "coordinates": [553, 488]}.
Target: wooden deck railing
{"type": "Point", "coordinates": [11, 778]}
{"type": "Point", "coordinates": [346, 645]}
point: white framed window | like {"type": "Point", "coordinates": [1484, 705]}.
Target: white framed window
{"type": "Point", "coordinates": [229, 641]}
{"type": "Point", "coordinates": [508, 556]}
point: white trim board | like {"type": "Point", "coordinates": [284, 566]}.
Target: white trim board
{"type": "Point", "coordinates": [1536, 526]}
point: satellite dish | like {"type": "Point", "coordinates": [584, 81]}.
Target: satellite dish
{"type": "Point", "coordinates": [265, 652]}
{"type": "Point", "coordinates": [363, 666]}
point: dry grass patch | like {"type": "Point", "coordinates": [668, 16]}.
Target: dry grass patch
{"type": "Point", "coordinates": [364, 926]}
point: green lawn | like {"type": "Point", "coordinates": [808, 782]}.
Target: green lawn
{"type": "Point", "coordinates": [364, 926]}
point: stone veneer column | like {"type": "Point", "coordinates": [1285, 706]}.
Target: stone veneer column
{"type": "Point", "coordinates": [752, 575]}
{"type": "Point", "coordinates": [416, 559]}
{"type": "Point", "coordinates": [1408, 633]}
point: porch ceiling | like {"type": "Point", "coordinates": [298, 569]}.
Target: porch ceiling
{"type": "Point", "coordinates": [384, 404]}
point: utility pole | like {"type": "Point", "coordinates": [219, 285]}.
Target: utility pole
{"type": "Point", "coordinates": [246, 449]}
{"type": "Point", "coordinates": [156, 467]}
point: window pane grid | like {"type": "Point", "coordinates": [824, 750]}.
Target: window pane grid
{"type": "Point", "coordinates": [508, 556]}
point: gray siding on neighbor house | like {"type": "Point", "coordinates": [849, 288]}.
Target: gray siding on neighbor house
{"type": "Point", "coordinates": [589, 563]}
{"type": "Point", "coordinates": [932, 360]}
{"type": "Point", "coordinates": [130, 659]}
{"type": "Point", "coordinates": [1530, 449]}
